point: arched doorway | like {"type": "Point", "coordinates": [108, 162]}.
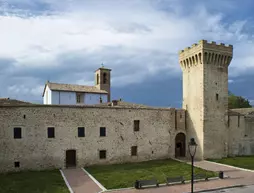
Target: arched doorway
{"type": "Point", "coordinates": [180, 146]}
{"type": "Point", "coordinates": [70, 158]}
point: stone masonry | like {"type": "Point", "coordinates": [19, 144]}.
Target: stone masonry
{"type": "Point", "coordinates": [218, 131]}
{"type": "Point", "coordinates": [205, 94]}
{"type": "Point", "coordinates": [154, 140]}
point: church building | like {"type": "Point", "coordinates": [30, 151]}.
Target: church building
{"type": "Point", "coordinates": [71, 94]}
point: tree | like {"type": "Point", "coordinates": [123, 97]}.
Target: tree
{"type": "Point", "coordinates": [235, 102]}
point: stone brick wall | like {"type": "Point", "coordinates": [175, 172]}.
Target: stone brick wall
{"type": "Point", "coordinates": [205, 95]}
{"type": "Point", "coordinates": [35, 150]}
{"type": "Point", "coordinates": [215, 127]}
{"type": "Point", "coordinates": [240, 135]}
{"type": "Point", "coordinates": [193, 103]}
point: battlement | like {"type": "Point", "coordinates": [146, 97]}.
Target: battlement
{"type": "Point", "coordinates": [206, 52]}
{"type": "Point", "coordinates": [204, 44]}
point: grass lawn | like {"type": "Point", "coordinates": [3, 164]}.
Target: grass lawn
{"type": "Point", "coordinates": [246, 162]}
{"type": "Point", "coordinates": [33, 182]}
{"type": "Point", "coordinates": [124, 175]}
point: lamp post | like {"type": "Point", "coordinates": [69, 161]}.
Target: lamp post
{"type": "Point", "coordinates": [192, 150]}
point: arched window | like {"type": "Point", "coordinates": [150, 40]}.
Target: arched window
{"type": "Point", "coordinates": [97, 79]}
{"type": "Point", "coordinates": [104, 78]}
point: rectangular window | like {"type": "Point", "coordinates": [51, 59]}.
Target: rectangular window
{"type": "Point", "coordinates": [78, 97]}
{"type": "Point", "coordinates": [16, 164]}
{"type": "Point", "coordinates": [217, 96]}
{"type": "Point", "coordinates": [102, 131]}
{"type": "Point", "coordinates": [136, 125]}
{"type": "Point", "coordinates": [103, 154]}
{"type": "Point", "coordinates": [81, 132]}
{"type": "Point", "coordinates": [51, 132]}
{"type": "Point", "coordinates": [134, 150]}
{"type": "Point", "coordinates": [17, 133]}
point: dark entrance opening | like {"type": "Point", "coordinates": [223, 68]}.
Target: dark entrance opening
{"type": "Point", "coordinates": [180, 146]}
{"type": "Point", "coordinates": [70, 158]}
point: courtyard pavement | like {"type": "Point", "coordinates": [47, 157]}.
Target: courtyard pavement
{"type": "Point", "coordinates": [244, 189]}
{"type": "Point", "coordinates": [80, 182]}
{"type": "Point", "coordinates": [238, 175]}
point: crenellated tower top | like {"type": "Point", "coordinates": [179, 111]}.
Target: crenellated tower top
{"type": "Point", "coordinates": [206, 52]}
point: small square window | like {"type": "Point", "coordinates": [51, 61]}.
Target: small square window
{"type": "Point", "coordinates": [136, 125]}
{"type": "Point", "coordinates": [16, 164]}
{"type": "Point", "coordinates": [217, 96]}
{"type": "Point", "coordinates": [81, 132]}
{"type": "Point", "coordinates": [102, 154]}
{"type": "Point", "coordinates": [17, 133]}
{"type": "Point", "coordinates": [51, 132]}
{"type": "Point", "coordinates": [134, 150]}
{"type": "Point", "coordinates": [102, 131]}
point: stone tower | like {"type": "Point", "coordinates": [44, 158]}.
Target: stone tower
{"type": "Point", "coordinates": [205, 95]}
{"type": "Point", "coordinates": [102, 79]}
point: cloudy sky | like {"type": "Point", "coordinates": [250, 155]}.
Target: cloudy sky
{"type": "Point", "coordinates": [65, 41]}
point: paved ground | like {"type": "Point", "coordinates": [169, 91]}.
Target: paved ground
{"type": "Point", "coordinates": [80, 182]}
{"type": "Point", "coordinates": [245, 189]}
{"type": "Point", "coordinates": [239, 176]}
{"type": "Point", "coordinates": [181, 188]}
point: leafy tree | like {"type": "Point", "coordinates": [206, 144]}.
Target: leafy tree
{"type": "Point", "coordinates": [235, 102]}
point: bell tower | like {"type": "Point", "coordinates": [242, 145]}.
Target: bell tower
{"type": "Point", "coordinates": [205, 95]}
{"type": "Point", "coordinates": [102, 79]}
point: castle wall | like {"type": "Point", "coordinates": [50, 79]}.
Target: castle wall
{"type": "Point", "coordinates": [240, 135]}
{"type": "Point", "coordinates": [155, 139]}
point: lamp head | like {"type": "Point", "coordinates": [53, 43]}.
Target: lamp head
{"type": "Point", "coordinates": [192, 147]}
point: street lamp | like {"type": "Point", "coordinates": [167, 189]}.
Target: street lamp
{"type": "Point", "coordinates": [192, 150]}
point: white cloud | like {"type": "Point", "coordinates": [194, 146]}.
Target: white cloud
{"type": "Point", "coordinates": [25, 90]}
{"type": "Point", "coordinates": [92, 30]}
{"type": "Point", "coordinates": [149, 37]}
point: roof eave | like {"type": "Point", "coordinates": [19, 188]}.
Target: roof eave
{"type": "Point", "coordinates": [79, 91]}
